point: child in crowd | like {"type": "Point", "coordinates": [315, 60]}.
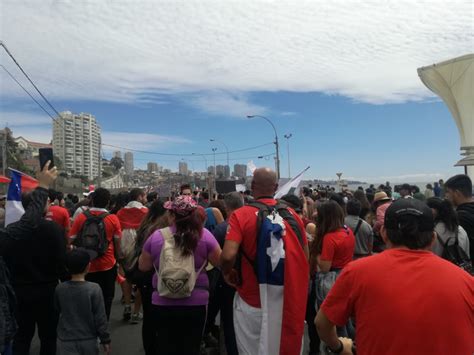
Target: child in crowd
{"type": "Point", "coordinates": [81, 310]}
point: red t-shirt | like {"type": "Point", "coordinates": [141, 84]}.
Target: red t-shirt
{"type": "Point", "coordinates": [242, 229]}
{"type": "Point", "coordinates": [59, 215]}
{"type": "Point", "coordinates": [112, 230]}
{"type": "Point", "coordinates": [405, 302]}
{"type": "Point", "coordinates": [338, 247]}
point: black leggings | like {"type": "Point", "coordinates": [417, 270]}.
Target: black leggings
{"type": "Point", "coordinates": [148, 328]}
{"type": "Point", "coordinates": [106, 281]}
{"type": "Point", "coordinates": [179, 329]}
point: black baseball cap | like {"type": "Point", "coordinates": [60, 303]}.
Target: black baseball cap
{"type": "Point", "coordinates": [404, 209]}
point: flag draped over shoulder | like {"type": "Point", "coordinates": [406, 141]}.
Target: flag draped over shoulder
{"type": "Point", "coordinates": [283, 285]}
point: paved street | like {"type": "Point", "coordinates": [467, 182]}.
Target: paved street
{"type": "Point", "coordinates": [126, 338]}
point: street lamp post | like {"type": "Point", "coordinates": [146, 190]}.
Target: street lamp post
{"type": "Point", "coordinates": [226, 148]}
{"type": "Point", "coordinates": [214, 153]}
{"type": "Point", "coordinates": [277, 147]}
{"type": "Point", "coordinates": [288, 136]}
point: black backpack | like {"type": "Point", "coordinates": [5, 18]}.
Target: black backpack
{"type": "Point", "coordinates": [263, 211]}
{"type": "Point", "coordinates": [93, 235]}
{"type": "Point", "coordinates": [455, 254]}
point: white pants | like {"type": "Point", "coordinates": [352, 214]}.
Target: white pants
{"type": "Point", "coordinates": [247, 325]}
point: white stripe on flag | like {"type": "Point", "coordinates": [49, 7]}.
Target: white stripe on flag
{"type": "Point", "coordinates": [13, 211]}
{"type": "Point", "coordinates": [271, 298]}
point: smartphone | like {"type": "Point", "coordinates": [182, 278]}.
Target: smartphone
{"type": "Point", "coordinates": [46, 154]}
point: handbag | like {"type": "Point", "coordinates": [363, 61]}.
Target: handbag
{"type": "Point", "coordinates": [324, 282]}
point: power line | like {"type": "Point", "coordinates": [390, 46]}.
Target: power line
{"type": "Point", "coordinates": [202, 160]}
{"type": "Point", "coordinates": [24, 89]}
{"type": "Point", "coordinates": [31, 81]}
{"type": "Point", "coordinates": [103, 144]}
{"type": "Point", "coordinates": [185, 154]}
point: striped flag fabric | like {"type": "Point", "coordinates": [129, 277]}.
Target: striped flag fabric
{"type": "Point", "coordinates": [283, 288]}
{"type": "Point", "coordinates": [19, 183]}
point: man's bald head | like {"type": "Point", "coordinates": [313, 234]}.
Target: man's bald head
{"type": "Point", "coordinates": [264, 182]}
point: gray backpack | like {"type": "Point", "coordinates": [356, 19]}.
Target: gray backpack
{"type": "Point", "coordinates": [176, 274]}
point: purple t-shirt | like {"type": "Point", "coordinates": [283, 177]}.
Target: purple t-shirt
{"type": "Point", "coordinates": [200, 296]}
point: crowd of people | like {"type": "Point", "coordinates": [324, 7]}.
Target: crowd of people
{"type": "Point", "coordinates": [377, 271]}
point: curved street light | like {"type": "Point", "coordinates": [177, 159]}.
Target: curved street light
{"type": "Point", "coordinates": [277, 147]}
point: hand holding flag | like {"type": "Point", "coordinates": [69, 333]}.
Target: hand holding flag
{"type": "Point", "coordinates": [20, 183]}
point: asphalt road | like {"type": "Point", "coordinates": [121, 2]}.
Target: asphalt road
{"type": "Point", "coordinates": [126, 337]}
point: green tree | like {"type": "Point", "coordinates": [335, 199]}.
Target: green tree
{"type": "Point", "coordinates": [13, 154]}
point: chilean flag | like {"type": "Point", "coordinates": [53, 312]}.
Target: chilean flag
{"type": "Point", "coordinates": [132, 215]}
{"type": "Point", "coordinates": [282, 274]}
{"type": "Point", "coordinates": [19, 183]}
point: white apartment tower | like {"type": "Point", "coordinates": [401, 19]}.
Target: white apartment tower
{"type": "Point", "coordinates": [76, 141]}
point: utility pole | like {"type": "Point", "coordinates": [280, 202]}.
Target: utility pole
{"type": "Point", "coordinates": [288, 136]}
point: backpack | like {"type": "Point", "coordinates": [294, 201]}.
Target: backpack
{"type": "Point", "coordinates": [263, 212]}
{"type": "Point", "coordinates": [92, 235]}
{"type": "Point", "coordinates": [177, 274]}
{"type": "Point", "coordinates": [455, 254]}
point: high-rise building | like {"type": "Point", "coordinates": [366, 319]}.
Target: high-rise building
{"type": "Point", "coordinates": [222, 171]}
{"type": "Point", "coordinates": [76, 142]}
{"type": "Point", "coordinates": [152, 167]}
{"type": "Point", "coordinates": [183, 168]}
{"type": "Point", "coordinates": [117, 154]}
{"type": "Point", "coordinates": [240, 170]}
{"type": "Point", "coordinates": [128, 163]}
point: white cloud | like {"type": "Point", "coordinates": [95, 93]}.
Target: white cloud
{"type": "Point", "coordinates": [16, 119]}
{"type": "Point", "coordinates": [138, 141]}
{"type": "Point", "coordinates": [125, 50]}
{"type": "Point", "coordinates": [236, 105]}
{"type": "Point", "coordinates": [38, 128]}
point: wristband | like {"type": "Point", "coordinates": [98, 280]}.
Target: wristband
{"type": "Point", "coordinates": [336, 351]}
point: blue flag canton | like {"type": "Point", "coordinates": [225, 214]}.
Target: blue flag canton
{"type": "Point", "coordinates": [271, 251]}
{"type": "Point", "coordinates": [14, 189]}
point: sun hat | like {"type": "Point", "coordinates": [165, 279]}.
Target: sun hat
{"type": "Point", "coordinates": [182, 205]}
{"type": "Point", "coordinates": [381, 196]}
{"type": "Point", "coordinates": [404, 209]}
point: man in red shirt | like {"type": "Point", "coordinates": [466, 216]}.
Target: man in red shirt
{"type": "Point", "coordinates": [56, 212]}
{"type": "Point", "coordinates": [130, 217]}
{"type": "Point", "coordinates": [242, 235]}
{"type": "Point", "coordinates": [405, 300]}
{"type": "Point", "coordinates": [103, 270]}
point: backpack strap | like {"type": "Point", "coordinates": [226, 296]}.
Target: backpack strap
{"type": "Point", "coordinates": [88, 214]}
{"type": "Point", "coordinates": [291, 220]}
{"type": "Point", "coordinates": [358, 226]}
{"type": "Point", "coordinates": [284, 213]}
{"type": "Point", "coordinates": [166, 233]}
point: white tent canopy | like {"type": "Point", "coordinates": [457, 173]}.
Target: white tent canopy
{"type": "Point", "coordinates": [453, 81]}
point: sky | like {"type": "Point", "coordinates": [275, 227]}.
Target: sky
{"type": "Point", "coordinates": [166, 77]}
